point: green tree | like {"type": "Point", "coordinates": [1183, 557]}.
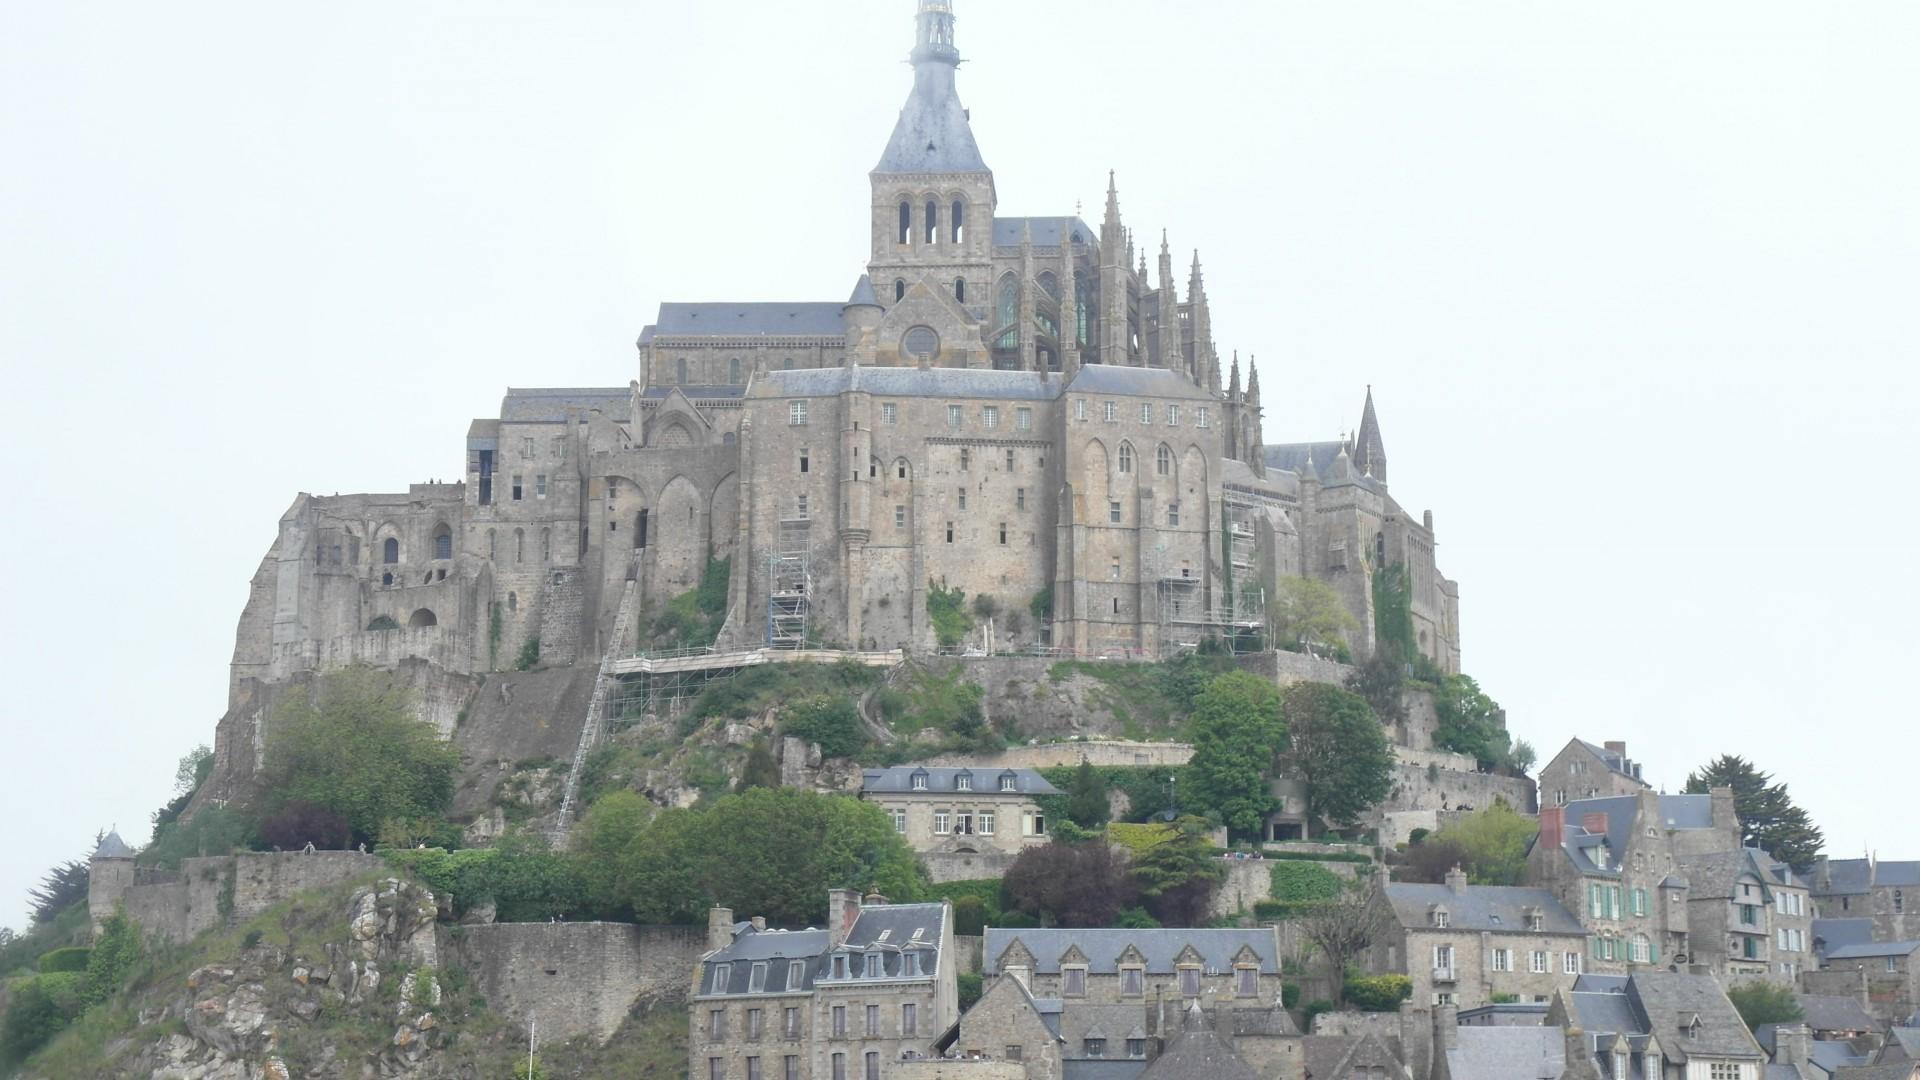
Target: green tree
{"type": "Point", "coordinates": [1769, 819]}
{"type": "Point", "coordinates": [1490, 845]}
{"type": "Point", "coordinates": [830, 720]}
{"type": "Point", "coordinates": [61, 887]}
{"type": "Point", "coordinates": [764, 851]}
{"type": "Point", "coordinates": [1236, 732]}
{"type": "Point", "coordinates": [37, 1010]}
{"type": "Point", "coordinates": [1177, 878]}
{"type": "Point", "coordinates": [1339, 751]}
{"type": "Point", "coordinates": [947, 610]}
{"type": "Point", "coordinates": [600, 841]}
{"type": "Point", "coordinates": [760, 769]}
{"type": "Point", "coordinates": [1087, 797]}
{"type": "Point", "coordinates": [113, 958]}
{"type": "Point", "coordinates": [1382, 681]}
{"type": "Point", "coordinates": [1307, 615]}
{"type": "Point", "coordinates": [1471, 723]}
{"type": "Point", "coordinates": [1764, 1003]}
{"type": "Point", "coordinates": [1342, 928]}
{"type": "Point", "coordinates": [351, 744]}
{"type": "Point", "coordinates": [1078, 885]}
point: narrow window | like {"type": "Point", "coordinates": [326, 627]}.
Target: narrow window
{"type": "Point", "coordinates": [900, 468]}
{"type": "Point", "coordinates": [1111, 410]}
{"type": "Point", "coordinates": [889, 412]}
{"type": "Point", "coordinates": [1023, 419]}
{"type": "Point", "coordinates": [1173, 514]}
{"type": "Point", "coordinates": [949, 532]}
{"type": "Point", "coordinates": [990, 417]}
{"type": "Point", "coordinates": [1116, 605]}
{"type": "Point", "coordinates": [1080, 408]}
{"type": "Point", "coordinates": [526, 446]}
{"type": "Point", "coordinates": [800, 508]}
{"type": "Point", "coordinates": [390, 551]}
{"type": "Point", "coordinates": [519, 545]}
{"type": "Point", "coordinates": [839, 1061]}
{"type": "Point", "coordinates": [1173, 415]}
{"type": "Point", "coordinates": [873, 1011]}
{"type": "Point", "coordinates": [1003, 534]}
{"type": "Point", "coordinates": [791, 1070]}
{"type": "Point", "coordinates": [753, 1068]}
{"type": "Point", "coordinates": [1113, 572]}
{"type": "Point", "coordinates": [540, 485]}
{"type": "Point", "coordinates": [517, 486]}
{"type": "Point", "coordinates": [1163, 461]}
{"type": "Point", "coordinates": [733, 370]}
{"type": "Point", "coordinates": [960, 289]}
{"type": "Point", "coordinates": [962, 492]}
{"type": "Point", "coordinates": [805, 461]}
{"type": "Point", "coordinates": [1189, 982]}
{"type": "Point", "coordinates": [900, 289]}
{"type": "Point", "coordinates": [1146, 413]}
{"type": "Point", "coordinates": [932, 224]}
{"type": "Point", "coordinates": [839, 1011]}
{"type": "Point", "coordinates": [909, 1018]}
{"type": "Point", "coordinates": [680, 371]}
{"type": "Point", "coordinates": [966, 459]}
{"type": "Point", "coordinates": [1113, 511]}
{"type": "Point", "coordinates": [546, 546]}
{"type": "Point", "coordinates": [1202, 418]}
{"type": "Point", "coordinates": [954, 416]}
{"type": "Point", "coordinates": [906, 223]}
{"type": "Point", "coordinates": [1019, 498]}
{"type": "Point", "coordinates": [1126, 458]}
{"type": "Point", "coordinates": [957, 221]}
{"type": "Point", "coordinates": [873, 1065]}
{"type": "Point", "coordinates": [640, 530]}
{"type": "Point", "coordinates": [1246, 981]}
{"type": "Point", "coordinates": [1009, 459]}
{"type": "Point", "coordinates": [442, 544]}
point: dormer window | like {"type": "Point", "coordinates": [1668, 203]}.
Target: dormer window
{"type": "Point", "coordinates": [1534, 921]}
{"type": "Point", "coordinates": [963, 782]}
{"type": "Point", "coordinates": [757, 979]}
{"type": "Point", "coordinates": [876, 965]}
{"type": "Point", "coordinates": [1008, 781]}
{"type": "Point", "coordinates": [1073, 981]}
{"type": "Point", "coordinates": [1441, 918]}
{"type": "Point", "coordinates": [796, 974]}
{"type": "Point", "coordinates": [840, 966]}
{"type": "Point", "coordinates": [722, 976]}
{"type": "Point", "coordinates": [920, 781]}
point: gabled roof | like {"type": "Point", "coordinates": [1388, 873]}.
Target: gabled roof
{"type": "Point", "coordinates": [886, 929]}
{"type": "Point", "coordinates": [893, 926]}
{"type": "Point", "coordinates": [1158, 948]}
{"type": "Point", "coordinates": [1834, 1012]}
{"type": "Point", "coordinates": [1717, 874]}
{"type": "Point", "coordinates": [551, 404]}
{"type": "Point", "coordinates": [728, 320]}
{"type": "Point", "coordinates": [1873, 948]}
{"type": "Point", "coordinates": [985, 781]}
{"type": "Point", "coordinates": [1010, 231]}
{"type": "Point", "coordinates": [1507, 1053]}
{"type": "Point", "coordinates": [1664, 1005]}
{"type": "Point", "coordinates": [1676, 812]}
{"type": "Point", "coordinates": [1079, 1022]}
{"type": "Point", "coordinates": [1838, 933]}
{"type": "Point", "coordinates": [1199, 1053]}
{"type": "Point", "coordinates": [1494, 908]}
{"type": "Point", "coordinates": [1134, 381]}
{"type": "Point", "coordinates": [1615, 761]}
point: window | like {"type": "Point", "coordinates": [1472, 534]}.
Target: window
{"type": "Point", "coordinates": [839, 1067]}
{"type": "Point", "coordinates": [1003, 534]}
{"type": "Point", "coordinates": [1893, 964]}
{"type": "Point", "coordinates": [954, 416]}
{"type": "Point", "coordinates": [960, 289]}
{"type": "Point", "coordinates": [716, 1068]}
{"type": "Point", "coordinates": [932, 221]}
{"type": "Point", "coordinates": [1111, 410]}
{"type": "Point", "coordinates": [889, 412]}
{"type": "Point", "coordinates": [1639, 901]}
{"type": "Point", "coordinates": [900, 468]}
{"type": "Point", "coordinates": [1163, 461]}
{"type": "Point", "coordinates": [1080, 408]}
{"type": "Point", "coordinates": [1033, 824]}
{"type": "Point", "coordinates": [984, 821]}
{"type": "Point", "coordinates": [518, 484]}
{"type": "Point", "coordinates": [1019, 498]}
{"type": "Point", "coordinates": [919, 781]}
{"type": "Point", "coordinates": [1202, 418]}
{"type": "Point", "coordinates": [1173, 415]}
{"type": "Point", "coordinates": [733, 369]}
{"type": "Point", "coordinates": [899, 289]}
{"type": "Point", "coordinates": [1503, 959]}
{"type": "Point", "coordinates": [1126, 458]}
{"type": "Point", "coordinates": [1009, 783]}
{"type": "Point", "coordinates": [1444, 997]}
{"type": "Point", "coordinates": [753, 1015]}
{"type": "Point", "coordinates": [1113, 572]}
{"type": "Point", "coordinates": [756, 982]}
{"type": "Point", "coordinates": [1723, 1070]}
{"type": "Point", "coordinates": [873, 1065]}
{"type": "Point", "coordinates": [1441, 918]}
{"type": "Point", "coordinates": [1899, 901]}
{"type": "Point", "coordinates": [962, 493]}
{"type": "Point", "coordinates": [899, 821]}
{"type": "Point", "coordinates": [963, 782]}
{"type": "Point", "coordinates": [1023, 419]}
{"type": "Point", "coordinates": [839, 967]}
{"type": "Point", "coordinates": [903, 236]}
{"type": "Point", "coordinates": [941, 819]}
{"type": "Point", "coordinates": [1443, 958]}
{"type": "Point", "coordinates": [1073, 982]}
{"type": "Point", "coordinates": [790, 1067]}
{"type": "Point", "coordinates": [1537, 962]}
{"type": "Point", "coordinates": [796, 412]}
{"type": "Point", "coordinates": [1571, 964]}
{"type": "Point", "coordinates": [899, 517]}
{"type": "Point", "coordinates": [790, 1024]}
{"type": "Point", "coordinates": [1642, 949]}
{"type": "Point", "coordinates": [1146, 412]}
{"type": "Point", "coordinates": [1246, 981]}
{"type": "Point", "coordinates": [909, 1019]}
{"type": "Point", "coordinates": [873, 1011]}
{"type": "Point", "coordinates": [966, 459]}
{"type": "Point", "coordinates": [1189, 982]}
{"type": "Point", "coordinates": [1094, 1047]}
{"type": "Point", "coordinates": [839, 1011]}
{"type": "Point", "coordinates": [1009, 459]}
{"type": "Point", "coordinates": [1132, 981]}
{"type": "Point", "coordinates": [1113, 511]}
{"type": "Point", "coordinates": [806, 460]}
{"type": "Point", "coordinates": [1015, 1053]}
{"type": "Point", "coordinates": [956, 224]}
{"type": "Point", "coordinates": [1173, 514]}
{"type": "Point", "coordinates": [949, 532]}
{"type": "Point", "coordinates": [717, 1018]}
{"type": "Point", "coordinates": [990, 416]}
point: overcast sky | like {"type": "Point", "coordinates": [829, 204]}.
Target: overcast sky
{"type": "Point", "coordinates": [1634, 284]}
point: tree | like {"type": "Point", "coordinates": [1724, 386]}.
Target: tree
{"type": "Point", "coordinates": [1344, 927]}
{"type": "Point", "coordinates": [351, 744]}
{"type": "Point", "coordinates": [1340, 753]}
{"type": "Point", "coordinates": [1764, 1003]}
{"type": "Point", "coordinates": [1489, 845]}
{"type": "Point", "coordinates": [1471, 723]}
{"type": "Point", "coordinates": [1306, 612]}
{"type": "Point", "coordinates": [763, 851]}
{"type": "Point", "coordinates": [1077, 885]}
{"type": "Point", "coordinates": [831, 721]}
{"type": "Point", "coordinates": [298, 823]}
{"type": "Point", "coordinates": [1428, 860]}
{"type": "Point", "coordinates": [1087, 797]}
{"type": "Point", "coordinates": [1521, 757]}
{"type": "Point", "coordinates": [60, 888]}
{"type": "Point", "coordinates": [1177, 877]}
{"type": "Point", "coordinates": [1382, 681]}
{"type": "Point", "coordinates": [760, 769]}
{"type": "Point", "coordinates": [1769, 820]}
{"type": "Point", "coordinates": [599, 842]}
{"type": "Point", "coordinates": [1236, 732]}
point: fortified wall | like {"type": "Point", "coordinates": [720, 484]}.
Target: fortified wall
{"type": "Point", "coordinates": [217, 891]}
{"type": "Point", "coordinates": [575, 979]}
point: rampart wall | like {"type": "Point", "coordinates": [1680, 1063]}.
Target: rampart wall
{"type": "Point", "coordinates": [575, 979]}
{"type": "Point", "coordinates": [1102, 752]}
{"type": "Point", "coordinates": [221, 890]}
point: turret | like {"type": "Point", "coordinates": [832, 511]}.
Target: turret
{"type": "Point", "coordinates": [109, 876]}
{"type": "Point", "coordinates": [1369, 452]}
{"type": "Point", "coordinates": [861, 316]}
{"type": "Point", "coordinates": [1206, 365]}
{"type": "Point", "coordinates": [1172, 355]}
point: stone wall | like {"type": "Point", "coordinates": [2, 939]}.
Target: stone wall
{"type": "Point", "coordinates": [562, 611]}
{"type": "Point", "coordinates": [1287, 668]}
{"type": "Point", "coordinates": [1415, 788]}
{"type": "Point", "coordinates": [1249, 881]}
{"type": "Point", "coordinates": [1101, 752]}
{"type": "Point", "coordinates": [223, 890]}
{"type": "Point", "coordinates": [577, 979]}
{"type": "Point", "coordinates": [966, 866]}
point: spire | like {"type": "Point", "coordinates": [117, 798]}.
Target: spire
{"type": "Point", "coordinates": [1193, 277]}
{"type": "Point", "coordinates": [932, 134]}
{"type": "Point", "coordinates": [1253, 383]}
{"type": "Point", "coordinates": [1233, 387]}
{"type": "Point", "coordinates": [1113, 200]}
{"type": "Point", "coordinates": [1369, 452]}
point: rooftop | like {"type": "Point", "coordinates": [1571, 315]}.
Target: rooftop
{"type": "Point", "coordinates": [907, 778]}
{"type": "Point", "coordinates": [1493, 908]}
{"type": "Point", "coordinates": [1103, 948]}
{"type": "Point", "coordinates": [800, 319]}
{"type": "Point", "coordinates": [551, 404]}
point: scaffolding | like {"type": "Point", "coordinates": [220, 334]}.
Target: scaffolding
{"type": "Point", "coordinates": [633, 697]}
{"type": "Point", "coordinates": [1190, 615]}
{"type": "Point", "coordinates": [789, 587]}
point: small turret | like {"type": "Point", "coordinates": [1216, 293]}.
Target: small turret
{"type": "Point", "coordinates": [1369, 452]}
{"type": "Point", "coordinates": [109, 876]}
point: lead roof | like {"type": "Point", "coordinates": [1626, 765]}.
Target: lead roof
{"type": "Point", "coordinates": [725, 319]}
{"type": "Point", "coordinates": [551, 404]}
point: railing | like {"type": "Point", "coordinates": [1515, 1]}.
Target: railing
{"type": "Point", "coordinates": [1443, 975]}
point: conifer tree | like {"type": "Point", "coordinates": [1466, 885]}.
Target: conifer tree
{"type": "Point", "coordinates": [1087, 797]}
{"type": "Point", "coordinates": [1769, 820]}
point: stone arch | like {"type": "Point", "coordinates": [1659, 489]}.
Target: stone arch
{"type": "Point", "coordinates": [674, 436]}
{"type": "Point", "coordinates": [423, 617]}
{"type": "Point", "coordinates": [1126, 461]}
{"type": "Point", "coordinates": [723, 516]}
{"type": "Point", "coordinates": [382, 622]}
{"type": "Point", "coordinates": [903, 232]}
{"type": "Point", "coordinates": [930, 218]}
{"type": "Point", "coordinates": [390, 551]}
{"type": "Point", "coordinates": [1163, 463]}
{"type": "Point", "coordinates": [442, 541]}
{"type": "Point", "coordinates": [956, 217]}
{"type": "Point", "coordinates": [679, 542]}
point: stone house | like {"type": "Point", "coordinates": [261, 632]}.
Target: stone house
{"type": "Point", "coordinates": [1464, 944]}
{"type": "Point", "coordinates": [1748, 916]}
{"type": "Point", "coordinates": [1613, 862]}
{"type": "Point", "coordinates": [1886, 892]}
{"type": "Point", "coordinates": [1114, 966]}
{"type": "Point", "coordinates": [1892, 970]}
{"type": "Point", "coordinates": [1582, 770]}
{"type": "Point", "coordinates": [1797, 1053]}
{"type": "Point", "coordinates": [1659, 1024]}
{"type": "Point", "coordinates": [875, 987]}
{"type": "Point", "coordinates": [961, 810]}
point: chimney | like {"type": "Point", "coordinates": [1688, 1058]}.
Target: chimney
{"type": "Point", "coordinates": [1594, 823]}
{"type": "Point", "coordinates": [1724, 819]}
{"type": "Point", "coordinates": [1617, 748]}
{"type": "Point", "coordinates": [1553, 826]}
{"type": "Point", "coordinates": [1580, 1064]}
{"type": "Point", "coordinates": [1420, 1039]}
{"type": "Point", "coordinates": [843, 907]}
{"type": "Point", "coordinates": [1456, 879]}
{"type": "Point", "coordinates": [874, 899]}
{"type": "Point", "coordinates": [719, 928]}
{"type": "Point", "coordinates": [759, 922]}
{"type": "Point", "coordinates": [1790, 1044]}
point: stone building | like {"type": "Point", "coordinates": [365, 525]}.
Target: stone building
{"type": "Point", "coordinates": [961, 810]}
{"type": "Point", "coordinates": [1582, 770]}
{"type": "Point", "coordinates": [1748, 916]}
{"type": "Point", "coordinates": [1613, 863]}
{"type": "Point", "coordinates": [1660, 1024]}
{"type": "Point", "coordinates": [1009, 406]}
{"type": "Point", "coordinates": [1119, 966]}
{"type": "Point", "coordinates": [1892, 970]}
{"type": "Point", "coordinates": [1887, 892]}
{"type": "Point", "coordinates": [1464, 944]}
{"type": "Point", "coordinates": [875, 987]}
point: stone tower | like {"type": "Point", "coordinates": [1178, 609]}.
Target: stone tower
{"type": "Point", "coordinates": [109, 875]}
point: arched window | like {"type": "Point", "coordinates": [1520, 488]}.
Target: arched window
{"type": "Point", "coordinates": [956, 222]}
{"type": "Point", "coordinates": [1082, 308]}
{"type": "Point", "coordinates": [1007, 313]}
{"type": "Point", "coordinates": [493, 545]}
{"type": "Point", "coordinates": [933, 221]}
{"type": "Point", "coordinates": [1126, 458]}
{"type": "Point", "coordinates": [733, 370]}
{"type": "Point", "coordinates": [900, 289]}
{"type": "Point", "coordinates": [513, 601]}
{"type": "Point", "coordinates": [386, 581]}
{"type": "Point", "coordinates": [1050, 284]}
{"type": "Point", "coordinates": [423, 617]}
{"type": "Point", "coordinates": [442, 542]}
{"type": "Point", "coordinates": [519, 545]}
{"type": "Point", "coordinates": [680, 371]}
{"type": "Point", "coordinates": [1163, 461]}
{"type": "Point", "coordinates": [383, 622]}
{"type": "Point", "coordinates": [390, 551]}
{"type": "Point", "coordinates": [960, 289]}
{"type": "Point", "coordinates": [906, 223]}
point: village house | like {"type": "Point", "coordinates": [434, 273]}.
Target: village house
{"type": "Point", "coordinates": [1660, 1024]}
{"type": "Point", "coordinates": [1117, 966]}
{"type": "Point", "coordinates": [1892, 970]}
{"type": "Point", "coordinates": [1749, 916]}
{"type": "Point", "coordinates": [1585, 771]}
{"type": "Point", "coordinates": [1886, 892]}
{"type": "Point", "coordinates": [1464, 945]}
{"type": "Point", "coordinates": [952, 814]}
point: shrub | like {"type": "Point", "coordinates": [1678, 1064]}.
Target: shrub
{"type": "Point", "coordinates": [69, 959]}
{"type": "Point", "coordinates": [215, 830]}
{"type": "Point", "coordinates": [830, 721]}
{"type": "Point", "coordinates": [1315, 1008]}
{"type": "Point", "coordinates": [969, 915]}
{"type": "Point", "coordinates": [1378, 993]}
{"type": "Point", "coordinates": [969, 986]}
{"type": "Point", "coordinates": [946, 609]}
{"type": "Point", "coordinates": [1289, 995]}
{"type": "Point", "coordinates": [1297, 883]}
{"type": "Point", "coordinates": [37, 1010]}
{"type": "Point", "coordinates": [529, 654]}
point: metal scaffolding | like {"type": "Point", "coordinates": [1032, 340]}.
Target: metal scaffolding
{"type": "Point", "coordinates": [1189, 615]}
{"type": "Point", "coordinates": [789, 587]}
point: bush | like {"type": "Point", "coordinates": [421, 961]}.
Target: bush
{"type": "Point", "coordinates": [969, 986]}
{"type": "Point", "coordinates": [73, 958]}
{"type": "Point", "coordinates": [1378, 993]}
{"type": "Point", "coordinates": [299, 823]}
{"type": "Point", "coordinates": [830, 721]}
{"type": "Point", "coordinates": [1764, 1003]}
{"type": "Point", "coordinates": [529, 655]}
{"type": "Point", "coordinates": [1289, 995]}
{"type": "Point", "coordinates": [1315, 1008]}
{"type": "Point", "coordinates": [947, 610]}
{"type": "Point", "coordinates": [524, 880]}
{"type": "Point", "coordinates": [1298, 883]}
{"type": "Point", "coordinates": [215, 830]}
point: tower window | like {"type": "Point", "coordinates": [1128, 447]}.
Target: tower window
{"type": "Point", "coordinates": [933, 221]}
{"type": "Point", "coordinates": [390, 551]}
{"type": "Point", "coordinates": [805, 460]}
{"type": "Point", "coordinates": [1126, 458]}
{"type": "Point", "coordinates": [956, 222]}
{"type": "Point", "coordinates": [1019, 498]}
{"type": "Point", "coordinates": [960, 289]}
{"type": "Point", "coordinates": [966, 459]}
{"type": "Point", "coordinates": [906, 224]}
{"type": "Point", "coordinates": [963, 498]}
{"type": "Point", "coordinates": [733, 370]}
{"type": "Point", "coordinates": [1163, 461]}
{"type": "Point", "coordinates": [680, 371]}
{"type": "Point", "coordinates": [1173, 513]}
{"type": "Point", "coordinates": [1009, 459]}
{"type": "Point", "coordinates": [1003, 534]}
{"type": "Point", "coordinates": [949, 532]}
{"type": "Point", "coordinates": [900, 289]}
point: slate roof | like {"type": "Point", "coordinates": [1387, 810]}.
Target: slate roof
{"type": "Point", "coordinates": [1833, 1012]}
{"type": "Point", "coordinates": [805, 319]}
{"type": "Point", "coordinates": [1873, 948]}
{"type": "Point", "coordinates": [909, 382]}
{"type": "Point", "coordinates": [1114, 1023]}
{"type": "Point", "coordinates": [1838, 933]}
{"type": "Point", "coordinates": [932, 134]}
{"type": "Point", "coordinates": [1615, 761]}
{"type": "Point", "coordinates": [1507, 1053]}
{"type": "Point", "coordinates": [1908, 1039]}
{"type": "Point", "coordinates": [1904, 1070]}
{"type": "Point", "coordinates": [899, 779]}
{"type": "Point", "coordinates": [1102, 1069]}
{"type": "Point", "coordinates": [1852, 877]}
{"type": "Point", "coordinates": [778, 948]}
{"type": "Point", "coordinates": [1292, 457]}
{"type": "Point", "coordinates": [1103, 948]}
{"type": "Point", "coordinates": [1496, 908]}
{"type": "Point", "coordinates": [693, 393]}
{"type": "Point", "coordinates": [112, 847]}
{"type": "Point", "coordinates": [1325, 1054]}
{"type": "Point", "coordinates": [1199, 1053]}
{"type": "Point", "coordinates": [1009, 231]}
{"type": "Point", "coordinates": [1134, 381]}
{"type": "Point", "coordinates": [1715, 874]}
{"type": "Point", "coordinates": [1676, 811]}
{"type": "Point", "coordinates": [1660, 1003]}
{"type": "Point", "coordinates": [550, 405]}
{"type": "Point", "coordinates": [1825, 1054]}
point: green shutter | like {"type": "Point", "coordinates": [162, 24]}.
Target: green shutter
{"type": "Point", "coordinates": [1653, 953]}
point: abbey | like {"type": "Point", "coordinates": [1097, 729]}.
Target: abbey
{"type": "Point", "coordinates": [1015, 407]}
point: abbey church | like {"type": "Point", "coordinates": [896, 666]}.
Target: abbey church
{"type": "Point", "coordinates": [1017, 408]}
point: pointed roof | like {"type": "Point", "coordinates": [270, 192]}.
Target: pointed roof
{"type": "Point", "coordinates": [112, 847]}
{"type": "Point", "coordinates": [1369, 452]}
{"type": "Point", "coordinates": [1198, 1053]}
{"type": "Point", "coordinates": [932, 134]}
{"type": "Point", "coordinates": [863, 294]}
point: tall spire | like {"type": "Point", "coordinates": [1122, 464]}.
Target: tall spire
{"type": "Point", "coordinates": [933, 135]}
{"type": "Point", "coordinates": [1253, 383]}
{"type": "Point", "coordinates": [935, 44]}
{"type": "Point", "coordinates": [1369, 451]}
{"type": "Point", "coordinates": [1233, 387]}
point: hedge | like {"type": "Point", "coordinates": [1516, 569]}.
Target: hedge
{"type": "Point", "coordinates": [70, 959]}
{"type": "Point", "coordinates": [1379, 993]}
{"type": "Point", "coordinates": [1308, 856]}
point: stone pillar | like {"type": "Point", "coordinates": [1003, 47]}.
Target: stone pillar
{"type": "Point", "coordinates": [719, 928]}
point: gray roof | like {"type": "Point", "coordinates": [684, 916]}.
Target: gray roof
{"type": "Point", "coordinates": [1199, 1053]}
{"type": "Point", "coordinates": [1834, 1012]}
{"type": "Point", "coordinates": [778, 948]}
{"type": "Point", "coordinates": [1660, 1003]}
{"type": "Point", "coordinates": [1615, 761]}
{"type": "Point", "coordinates": [1507, 1053]}
{"type": "Point", "coordinates": [1103, 948]}
{"type": "Point", "coordinates": [695, 393]}
{"type": "Point", "coordinates": [112, 847]}
{"type": "Point", "coordinates": [804, 319]}
{"type": "Point", "coordinates": [900, 778]}
{"type": "Point", "coordinates": [1497, 908]}
{"type": "Point", "coordinates": [1825, 1054]}
{"type": "Point", "coordinates": [1845, 876]}
{"type": "Point", "coordinates": [1715, 874]}
{"type": "Point", "coordinates": [898, 923]}
{"type": "Point", "coordinates": [1102, 1069]}
{"type": "Point", "coordinates": [1676, 811]}
{"type": "Point", "coordinates": [909, 382]}
{"type": "Point", "coordinates": [1837, 933]}
{"type": "Point", "coordinates": [1134, 381]}
{"type": "Point", "coordinates": [1908, 1039]}
{"type": "Point", "coordinates": [1009, 231]}
{"type": "Point", "coordinates": [1079, 1022]}
{"type": "Point", "coordinates": [1873, 948]}
{"type": "Point", "coordinates": [1292, 457]}
{"type": "Point", "coordinates": [932, 134]}
{"type": "Point", "coordinates": [863, 294]}
{"type": "Point", "coordinates": [550, 405]}
{"type": "Point", "coordinates": [1903, 1070]}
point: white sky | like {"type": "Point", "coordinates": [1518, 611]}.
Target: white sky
{"type": "Point", "coordinates": [1634, 284]}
